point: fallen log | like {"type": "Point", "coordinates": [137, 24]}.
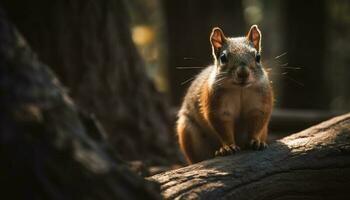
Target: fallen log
{"type": "Point", "coordinates": [312, 164]}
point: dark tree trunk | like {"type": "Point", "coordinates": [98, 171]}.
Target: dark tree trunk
{"type": "Point", "coordinates": [88, 44]}
{"type": "Point", "coordinates": [305, 46]}
{"type": "Point", "coordinates": [189, 26]}
{"type": "Point", "coordinates": [46, 151]}
{"type": "Point", "coordinates": [312, 164]}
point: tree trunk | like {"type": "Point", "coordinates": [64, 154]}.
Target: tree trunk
{"type": "Point", "coordinates": [88, 44]}
{"type": "Point", "coordinates": [46, 151]}
{"type": "Point", "coordinates": [312, 164]}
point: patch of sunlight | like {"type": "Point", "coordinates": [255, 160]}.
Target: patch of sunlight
{"type": "Point", "coordinates": [142, 35]}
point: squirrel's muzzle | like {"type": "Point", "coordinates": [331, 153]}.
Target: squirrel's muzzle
{"type": "Point", "coordinates": [242, 75]}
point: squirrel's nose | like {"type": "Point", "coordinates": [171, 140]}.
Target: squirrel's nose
{"type": "Point", "coordinates": [242, 73]}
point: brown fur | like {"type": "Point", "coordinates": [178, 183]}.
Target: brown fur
{"type": "Point", "coordinates": [223, 111]}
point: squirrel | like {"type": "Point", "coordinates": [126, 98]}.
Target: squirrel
{"type": "Point", "coordinates": [229, 103]}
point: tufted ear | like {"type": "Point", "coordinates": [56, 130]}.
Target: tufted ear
{"type": "Point", "coordinates": [254, 36]}
{"type": "Point", "coordinates": [217, 40]}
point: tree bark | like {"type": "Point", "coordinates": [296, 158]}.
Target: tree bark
{"type": "Point", "coordinates": [88, 44]}
{"type": "Point", "coordinates": [312, 164]}
{"type": "Point", "coordinates": [47, 151]}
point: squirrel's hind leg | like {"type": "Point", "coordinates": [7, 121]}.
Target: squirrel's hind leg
{"type": "Point", "coordinates": [194, 143]}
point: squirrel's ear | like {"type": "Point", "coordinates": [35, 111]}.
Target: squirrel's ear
{"type": "Point", "coordinates": [254, 36]}
{"type": "Point", "coordinates": [217, 39]}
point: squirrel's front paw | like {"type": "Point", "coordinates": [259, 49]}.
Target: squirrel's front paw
{"type": "Point", "coordinates": [227, 150]}
{"type": "Point", "coordinates": [257, 144]}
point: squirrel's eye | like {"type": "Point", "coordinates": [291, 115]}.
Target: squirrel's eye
{"type": "Point", "coordinates": [223, 58]}
{"type": "Point", "coordinates": [257, 58]}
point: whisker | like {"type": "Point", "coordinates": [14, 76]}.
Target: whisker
{"type": "Point", "coordinates": [295, 81]}
{"type": "Point", "coordinates": [284, 65]}
{"type": "Point", "coordinates": [219, 80]}
{"type": "Point", "coordinates": [188, 80]}
{"type": "Point", "coordinates": [283, 54]}
{"type": "Point", "coordinates": [284, 74]}
{"type": "Point", "coordinates": [268, 69]}
{"type": "Point", "coordinates": [191, 58]}
{"type": "Point", "coordinates": [266, 61]}
{"type": "Point", "coordinates": [222, 74]}
{"type": "Point", "coordinates": [296, 68]}
{"type": "Point", "coordinates": [220, 77]}
{"type": "Point", "coordinates": [190, 67]}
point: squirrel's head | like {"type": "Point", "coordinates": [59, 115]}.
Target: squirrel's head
{"type": "Point", "coordinates": [237, 59]}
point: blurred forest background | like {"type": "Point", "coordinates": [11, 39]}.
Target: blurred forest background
{"type": "Point", "coordinates": [305, 45]}
{"type": "Point", "coordinates": [128, 64]}
{"type": "Point", "coordinates": [305, 49]}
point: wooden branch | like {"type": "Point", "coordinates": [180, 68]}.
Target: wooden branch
{"type": "Point", "coordinates": [312, 164]}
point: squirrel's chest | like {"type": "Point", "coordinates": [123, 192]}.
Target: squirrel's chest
{"type": "Point", "coordinates": [237, 103]}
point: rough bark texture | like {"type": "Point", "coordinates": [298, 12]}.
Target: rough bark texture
{"type": "Point", "coordinates": [47, 151]}
{"type": "Point", "coordinates": [88, 44]}
{"type": "Point", "coordinates": [312, 164]}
